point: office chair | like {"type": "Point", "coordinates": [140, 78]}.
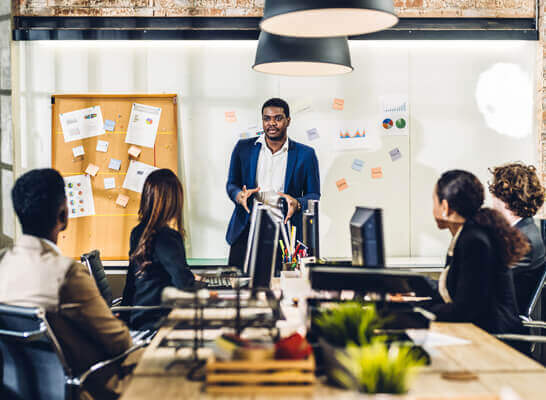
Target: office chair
{"type": "Point", "coordinates": [33, 363]}
{"type": "Point", "coordinates": [93, 262]}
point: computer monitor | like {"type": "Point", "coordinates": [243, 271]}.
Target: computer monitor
{"type": "Point", "coordinates": [367, 238]}
{"type": "Point", "coordinates": [311, 228]}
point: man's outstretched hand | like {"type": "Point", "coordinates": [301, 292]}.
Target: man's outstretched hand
{"type": "Point", "coordinates": [243, 195]}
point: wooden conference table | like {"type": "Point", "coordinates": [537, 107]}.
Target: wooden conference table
{"type": "Point", "coordinates": [495, 364]}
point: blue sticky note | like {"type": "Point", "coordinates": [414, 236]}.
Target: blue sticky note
{"type": "Point", "coordinates": [357, 165]}
{"type": "Point", "coordinates": [313, 134]}
{"type": "Point", "coordinates": [109, 125]}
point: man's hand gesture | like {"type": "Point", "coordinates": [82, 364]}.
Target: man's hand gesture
{"type": "Point", "coordinates": [243, 195]}
{"type": "Point", "coordinates": [293, 205]}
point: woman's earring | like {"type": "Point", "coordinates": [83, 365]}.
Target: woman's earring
{"type": "Point", "coordinates": [444, 215]}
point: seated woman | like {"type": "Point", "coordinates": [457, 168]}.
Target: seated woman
{"type": "Point", "coordinates": [518, 195]}
{"type": "Point", "coordinates": [476, 285]}
{"type": "Point", "coordinates": [157, 257]}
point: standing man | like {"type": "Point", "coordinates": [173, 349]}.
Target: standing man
{"type": "Point", "coordinates": [267, 168]}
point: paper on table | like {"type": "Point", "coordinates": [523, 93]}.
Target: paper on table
{"type": "Point", "coordinates": [79, 196]}
{"type": "Point", "coordinates": [81, 124]}
{"type": "Point", "coordinates": [434, 339]}
{"type": "Point", "coordinates": [136, 175]}
{"type": "Point", "coordinates": [102, 146]}
{"type": "Point", "coordinates": [143, 124]}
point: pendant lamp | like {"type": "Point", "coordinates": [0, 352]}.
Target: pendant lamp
{"type": "Point", "coordinates": [327, 18]}
{"type": "Point", "coordinates": [283, 55]}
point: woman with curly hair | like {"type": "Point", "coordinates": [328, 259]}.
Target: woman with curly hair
{"type": "Point", "coordinates": [476, 285]}
{"type": "Point", "coordinates": [518, 195]}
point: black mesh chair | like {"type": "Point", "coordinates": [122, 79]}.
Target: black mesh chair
{"type": "Point", "coordinates": [92, 261]}
{"type": "Point", "coordinates": [33, 364]}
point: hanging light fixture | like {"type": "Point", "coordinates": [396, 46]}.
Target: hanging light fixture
{"type": "Point", "coordinates": [283, 55]}
{"type": "Point", "coordinates": [327, 18]}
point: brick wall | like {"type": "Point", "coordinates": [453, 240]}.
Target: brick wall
{"type": "Point", "coordinates": [254, 8]}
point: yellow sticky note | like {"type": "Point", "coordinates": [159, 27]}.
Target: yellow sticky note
{"type": "Point", "coordinates": [338, 104]}
{"type": "Point", "coordinates": [342, 184]}
{"type": "Point", "coordinates": [231, 116]}
{"type": "Point", "coordinates": [122, 200]}
{"type": "Point", "coordinates": [134, 151]}
{"type": "Point", "coordinates": [377, 173]}
{"type": "Point", "coordinates": [92, 170]}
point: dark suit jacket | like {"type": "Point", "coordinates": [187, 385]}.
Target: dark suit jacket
{"type": "Point", "coordinates": [481, 287]}
{"type": "Point", "coordinates": [528, 271]}
{"type": "Point", "coordinates": [168, 268]}
{"type": "Point", "coordinates": [302, 180]}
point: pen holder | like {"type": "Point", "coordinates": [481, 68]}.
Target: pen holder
{"type": "Point", "coordinates": [289, 266]}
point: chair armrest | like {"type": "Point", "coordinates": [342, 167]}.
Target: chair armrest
{"type": "Point", "coordinates": [134, 308]}
{"type": "Point", "coordinates": [534, 324]}
{"type": "Point", "coordinates": [521, 338]}
{"type": "Point", "coordinates": [117, 301]}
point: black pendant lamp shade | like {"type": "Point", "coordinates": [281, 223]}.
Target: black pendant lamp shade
{"type": "Point", "coordinates": [327, 18]}
{"type": "Point", "coordinates": [284, 55]}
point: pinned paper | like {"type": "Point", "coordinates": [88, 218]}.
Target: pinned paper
{"type": "Point", "coordinates": [395, 154]}
{"type": "Point", "coordinates": [78, 151]}
{"type": "Point", "coordinates": [134, 151]}
{"type": "Point", "coordinates": [82, 124]}
{"type": "Point", "coordinates": [109, 125]}
{"type": "Point", "coordinates": [122, 200]}
{"type": "Point", "coordinates": [92, 170]}
{"type": "Point", "coordinates": [357, 165]}
{"type": "Point", "coordinates": [251, 131]}
{"type": "Point", "coordinates": [79, 196]}
{"type": "Point", "coordinates": [303, 105]}
{"type": "Point", "coordinates": [109, 183]}
{"type": "Point", "coordinates": [231, 116]}
{"type": "Point", "coordinates": [338, 104]}
{"type": "Point", "coordinates": [114, 164]}
{"type": "Point", "coordinates": [342, 184]}
{"type": "Point", "coordinates": [313, 134]}
{"type": "Point", "coordinates": [102, 146]}
{"type": "Point", "coordinates": [377, 173]}
{"type": "Point", "coordinates": [143, 124]}
{"type": "Point", "coordinates": [136, 175]}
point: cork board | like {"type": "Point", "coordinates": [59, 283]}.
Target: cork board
{"type": "Point", "coordinates": [110, 228]}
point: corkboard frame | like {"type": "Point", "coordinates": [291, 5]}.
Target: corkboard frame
{"type": "Point", "coordinates": [110, 228]}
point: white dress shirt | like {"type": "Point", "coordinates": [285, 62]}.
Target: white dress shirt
{"type": "Point", "coordinates": [271, 172]}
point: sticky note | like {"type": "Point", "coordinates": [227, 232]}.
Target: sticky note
{"type": "Point", "coordinates": [78, 151]}
{"type": "Point", "coordinates": [102, 146]}
{"type": "Point", "coordinates": [122, 200]}
{"type": "Point", "coordinates": [114, 164]}
{"type": "Point", "coordinates": [231, 116]}
{"type": "Point", "coordinates": [313, 134]}
{"type": "Point", "coordinates": [342, 184]}
{"type": "Point", "coordinates": [303, 105]}
{"type": "Point", "coordinates": [338, 104]}
{"type": "Point", "coordinates": [109, 125]}
{"type": "Point", "coordinates": [395, 154]}
{"type": "Point", "coordinates": [377, 173]}
{"type": "Point", "coordinates": [357, 165]}
{"type": "Point", "coordinates": [109, 183]}
{"type": "Point", "coordinates": [134, 151]}
{"type": "Point", "coordinates": [92, 170]}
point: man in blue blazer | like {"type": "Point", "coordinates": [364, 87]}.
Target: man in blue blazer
{"type": "Point", "coordinates": [267, 168]}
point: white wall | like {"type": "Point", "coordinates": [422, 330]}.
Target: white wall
{"type": "Point", "coordinates": [466, 99]}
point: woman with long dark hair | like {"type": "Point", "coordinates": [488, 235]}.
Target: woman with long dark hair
{"type": "Point", "coordinates": [476, 285]}
{"type": "Point", "coordinates": [157, 257]}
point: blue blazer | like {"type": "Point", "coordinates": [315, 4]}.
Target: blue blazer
{"type": "Point", "coordinates": [301, 182]}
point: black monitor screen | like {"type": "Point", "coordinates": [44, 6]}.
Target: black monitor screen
{"type": "Point", "coordinates": [367, 238]}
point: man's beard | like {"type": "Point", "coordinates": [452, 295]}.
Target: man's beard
{"type": "Point", "coordinates": [276, 138]}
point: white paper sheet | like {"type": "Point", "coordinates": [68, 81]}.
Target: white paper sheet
{"type": "Point", "coordinates": [79, 196]}
{"type": "Point", "coordinates": [430, 339]}
{"type": "Point", "coordinates": [136, 175]}
{"type": "Point", "coordinates": [395, 112]}
{"type": "Point", "coordinates": [102, 146]}
{"type": "Point", "coordinates": [82, 124]}
{"type": "Point", "coordinates": [143, 125]}
{"type": "Point", "coordinates": [109, 183]}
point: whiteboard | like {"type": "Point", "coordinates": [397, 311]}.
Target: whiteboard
{"type": "Point", "coordinates": [471, 107]}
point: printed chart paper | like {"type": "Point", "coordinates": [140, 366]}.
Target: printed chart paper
{"type": "Point", "coordinates": [82, 124]}
{"type": "Point", "coordinates": [79, 196]}
{"type": "Point", "coordinates": [395, 111]}
{"type": "Point", "coordinates": [143, 124]}
{"type": "Point", "coordinates": [136, 175]}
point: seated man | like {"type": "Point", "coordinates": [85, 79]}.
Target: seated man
{"type": "Point", "coordinates": [35, 274]}
{"type": "Point", "coordinates": [518, 195]}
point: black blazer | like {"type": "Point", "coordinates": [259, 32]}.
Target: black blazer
{"type": "Point", "coordinates": [481, 287]}
{"type": "Point", "coordinates": [168, 268]}
{"type": "Point", "coordinates": [528, 271]}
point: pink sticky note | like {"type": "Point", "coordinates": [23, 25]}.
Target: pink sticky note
{"type": "Point", "coordinates": [122, 200]}
{"type": "Point", "coordinates": [338, 104]}
{"type": "Point", "coordinates": [377, 173]}
{"type": "Point", "coordinates": [342, 184]}
{"type": "Point", "coordinates": [92, 170]}
{"type": "Point", "coordinates": [134, 151]}
{"type": "Point", "coordinates": [231, 116]}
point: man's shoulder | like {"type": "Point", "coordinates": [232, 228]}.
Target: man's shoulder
{"type": "Point", "coordinates": [302, 148]}
{"type": "Point", "coordinates": [247, 142]}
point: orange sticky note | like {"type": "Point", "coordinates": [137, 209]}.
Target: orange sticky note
{"type": "Point", "coordinates": [134, 151]}
{"type": "Point", "coordinates": [122, 200]}
{"type": "Point", "coordinates": [92, 170]}
{"type": "Point", "coordinates": [377, 173]}
{"type": "Point", "coordinates": [338, 104]}
{"type": "Point", "coordinates": [231, 116]}
{"type": "Point", "coordinates": [342, 184]}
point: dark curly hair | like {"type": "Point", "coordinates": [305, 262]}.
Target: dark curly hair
{"type": "Point", "coordinates": [276, 102]}
{"type": "Point", "coordinates": [465, 194]}
{"type": "Point", "coordinates": [518, 186]}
